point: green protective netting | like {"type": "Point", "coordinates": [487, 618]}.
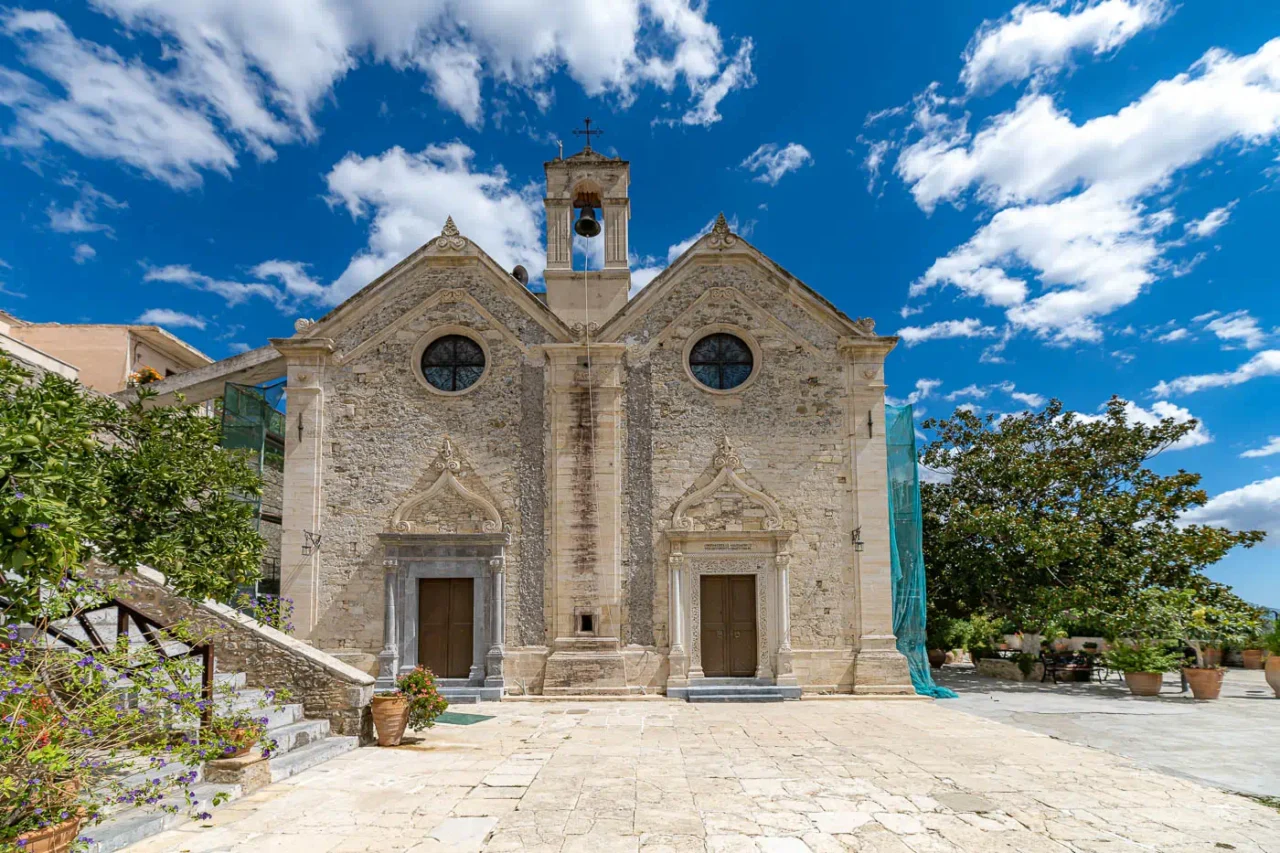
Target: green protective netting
{"type": "Point", "coordinates": [906, 548]}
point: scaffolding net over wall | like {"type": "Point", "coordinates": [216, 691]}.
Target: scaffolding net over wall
{"type": "Point", "coordinates": [906, 545]}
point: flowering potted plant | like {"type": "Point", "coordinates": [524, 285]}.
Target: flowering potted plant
{"type": "Point", "coordinates": [233, 734]}
{"type": "Point", "coordinates": [415, 701]}
{"type": "Point", "coordinates": [144, 376]}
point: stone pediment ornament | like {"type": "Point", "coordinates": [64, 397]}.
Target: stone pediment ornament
{"type": "Point", "coordinates": [447, 483]}
{"type": "Point", "coordinates": [726, 459]}
{"type": "Point", "coordinates": [721, 236]}
{"type": "Point", "coordinates": [450, 239]}
{"type": "Point", "coordinates": [865, 324]}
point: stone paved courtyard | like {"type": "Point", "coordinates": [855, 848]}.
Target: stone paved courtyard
{"type": "Point", "coordinates": [817, 775]}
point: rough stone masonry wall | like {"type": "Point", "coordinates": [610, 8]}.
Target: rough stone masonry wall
{"type": "Point", "coordinates": [384, 430]}
{"type": "Point", "coordinates": [639, 577]}
{"type": "Point", "coordinates": [789, 429]}
{"type": "Point", "coordinates": [326, 687]}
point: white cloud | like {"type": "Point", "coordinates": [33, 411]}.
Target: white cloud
{"type": "Point", "coordinates": [83, 252]}
{"type": "Point", "coordinates": [1271, 448]}
{"type": "Point", "coordinates": [81, 216]}
{"type": "Point", "coordinates": [976, 391]}
{"type": "Point", "coordinates": [1036, 39]}
{"type": "Point", "coordinates": [206, 72]}
{"type": "Point", "coordinates": [924, 390]}
{"type": "Point", "coordinates": [234, 292]}
{"type": "Point", "coordinates": [771, 162]}
{"type": "Point", "coordinates": [1238, 327]}
{"type": "Point", "coordinates": [1075, 202]}
{"type": "Point", "coordinates": [1252, 507]}
{"type": "Point", "coordinates": [408, 197]}
{"type": "Point", "coordinates": [966, 328]}
{"type": "Point", "coordinates": [1212, 221]}
{"type": "Point", "coordinates": [1265, 363]}
{"type": "Point", "coordinates": [1173, 335]}
{"type": "Point", "coordinates": [735, 75]}
{"type": "Point", "coordinates": [169, 317]}
{"type": "Point", "coordinates": [1035, 401]}
{"type": "Point", "coordinates": [110, 108]}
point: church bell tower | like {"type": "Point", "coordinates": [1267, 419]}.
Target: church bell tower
{"type": "Point", "coordinates": [579, 189]}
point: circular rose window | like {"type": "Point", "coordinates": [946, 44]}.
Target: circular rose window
{"type": "Point", "coordinates": [453, 363]}
{"type": "Point", "coordinates": [721, 361]}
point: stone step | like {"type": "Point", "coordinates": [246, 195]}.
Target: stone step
{"type": "Point", "coordinates": [234, 680]}
{"type": "Point", "coordinates": [303, 758]}
{"type": "Point", "coordinates": [136, 824]}
{"type": "Point", "coordinates": [297, 735]}
{"type": "Point", "coordinates": [735, 697]}
{"type": "Point", "coordinates": [463, 694]}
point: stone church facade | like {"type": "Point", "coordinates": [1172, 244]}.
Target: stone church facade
{"type": "Point", "coordinates": [581, 494]}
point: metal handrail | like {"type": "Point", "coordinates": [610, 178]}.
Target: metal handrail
{"type": "Point", "coordinates": [148, 628]}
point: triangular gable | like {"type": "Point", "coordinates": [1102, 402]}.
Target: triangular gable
{"type": "Point", "coordinates": [450, 248]}
{"type": "Point", "coordinates": [720, 245]}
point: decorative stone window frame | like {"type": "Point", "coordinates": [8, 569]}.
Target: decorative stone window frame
{"type": "Point", "coordinates": [415, 357]}
{"type": "Point", "coordinates": [757, 356]}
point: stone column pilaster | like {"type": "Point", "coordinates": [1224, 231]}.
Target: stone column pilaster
{"type": "Point", "coordinates": [879, 666]}
{"type": "Point", "coordinates": [301, 552]}
{"type": "Point", "coordinates": [678, 656]}
{"type": "Point", "coordinates": [498, 624]}
{"type": "Point", "coordinates": [559, 234]}
{"type": "Point", "coordinates": [617, 212]}
{"type": "Point", "coordinates": [785, 675]}
{"type": "Point", "coordinates": [389, 657]}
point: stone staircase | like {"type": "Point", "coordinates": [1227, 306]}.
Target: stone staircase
{"type": "Point", "coordinates": [460, 691]}
{"type": "Point", "coordinates": [301, 743]}
{"type": "Point", "coordinates": [733, 690]}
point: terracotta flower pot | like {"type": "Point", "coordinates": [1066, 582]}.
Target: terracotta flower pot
{"type": "Point", "coordinates": [1273, 673]}
{"type": "Point", "coordinates": [1205, 683]}
{"type": "Point", "coordinates": [390, 717]}
{"type": "Point", "coordinates": [1144, 683]}
{"type": "Point", "coordinates": [1252, 658]}
{"type": "Point", "coordinates": [52, 839]}
{"type": "Point", "coordinates": [235, 735]}
{"type": "Point", "coordinates": [1212, 656]}
{"type": "Point", "coordinates": [937, 657]}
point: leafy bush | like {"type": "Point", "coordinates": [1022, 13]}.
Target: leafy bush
{"type": "Point", "coordinates": [425, 701]}
{"type": "Point", "coordinates": [943, 632]}
{"type": "Point", "coordinates": [82, 476]}
{"type": "Point", "coordinates": [1271, 639]}
{"type": "Point", "coordinates": [1026, 662]}
{"type": "Point", "coordinates": [1143, 657]}
{"type": "Point", "coordinates": [983, 636]}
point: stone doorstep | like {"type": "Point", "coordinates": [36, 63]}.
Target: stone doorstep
{"type": "Point", "coordinates": [250, 772]}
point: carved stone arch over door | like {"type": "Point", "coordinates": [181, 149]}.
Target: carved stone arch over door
{"type": "Point", "coordinates": [447, 506]}
{"type": "Point", "coordinates": [728, 527]}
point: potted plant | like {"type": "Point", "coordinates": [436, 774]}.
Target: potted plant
{"type": "Point", "coordinates": [1271, 640]}
{"type": "Point", "coordinates": [1251, 649]}
{"type": "Point", "coordinates": [233, 734]}
{"type": "Point", "coordinates": [415, 701]}
{"type": "Point", "coordinates": [1207, 621]}
{"type": "Point", "coordinates": [425, 701]}
{"type": "Point", "coordinates": [1144, 664]}
{"type": "Point", "coordinates": [942, 634]}
{"type": "Point", "coordinates": [981, 637]}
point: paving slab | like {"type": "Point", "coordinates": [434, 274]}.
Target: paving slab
{"type": "Point", "coordinates": [1232, 743]}
{"type": "Point", "coordinates": [821, 776]}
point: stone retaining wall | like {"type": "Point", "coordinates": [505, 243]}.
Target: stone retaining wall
{"type": "Point", "coordinates": [326, 687]}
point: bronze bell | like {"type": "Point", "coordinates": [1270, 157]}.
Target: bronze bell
{"type": "Point", "coordinates": [587, 226]}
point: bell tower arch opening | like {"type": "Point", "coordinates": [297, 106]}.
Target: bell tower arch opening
{"type": "Point", "coordinates": [588, 196]}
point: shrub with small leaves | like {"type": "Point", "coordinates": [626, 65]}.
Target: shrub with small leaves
{"type": "Point", "coordinates": [425, 701]}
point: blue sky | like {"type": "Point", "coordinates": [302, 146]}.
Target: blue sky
{"type": "Point", "coordinates": [1066, 200]}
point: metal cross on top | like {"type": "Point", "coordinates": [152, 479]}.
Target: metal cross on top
{"type": "Point", "coordinates": [587, 132]}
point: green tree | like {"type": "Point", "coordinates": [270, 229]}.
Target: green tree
{"type": "Point", "coordinates": [1047, 511]}
{"type": "Point", "coordinates": [82, 476]}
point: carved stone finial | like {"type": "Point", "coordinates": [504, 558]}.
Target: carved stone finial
{"type": "Point", "coordinates": [865, 324]}
{"type": "Point", "coordinates": [302, 324]}
{"type": "Point", "coordinates": [721, 236]}
{"type": "Point", "coordinates": [726, 456]}
{"type": "Point", "coordinates": [450, 238]}
{"type": "Point", "coordinates": [447, 460]}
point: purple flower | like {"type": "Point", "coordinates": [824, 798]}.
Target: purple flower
{"type": "Point", "coordinates": [40, 526]}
